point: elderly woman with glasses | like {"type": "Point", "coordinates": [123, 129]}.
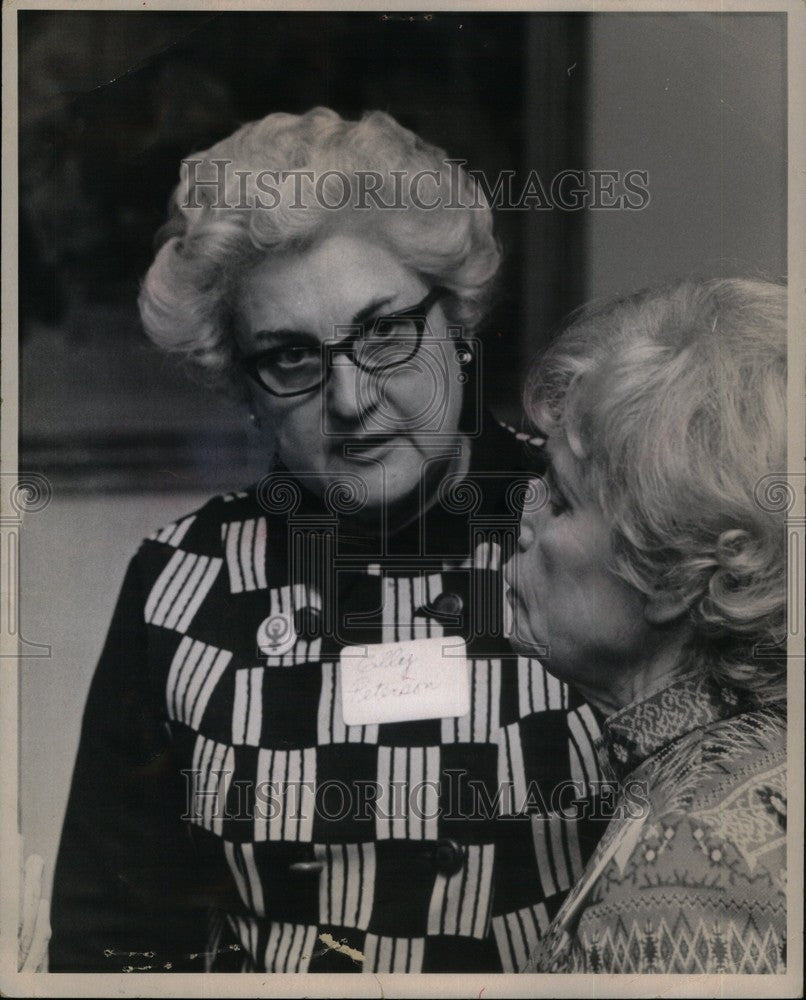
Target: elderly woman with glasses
{"type": "Point", "coordinates": [307, 746]}
{"type": "Point", "coordinates": [654, 575]}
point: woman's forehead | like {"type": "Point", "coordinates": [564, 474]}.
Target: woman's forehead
{"type": "Point", "coordinates": [331, 282]}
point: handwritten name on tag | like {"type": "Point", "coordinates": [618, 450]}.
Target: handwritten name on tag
{"type": "Point", "coordinates": [404, 681]}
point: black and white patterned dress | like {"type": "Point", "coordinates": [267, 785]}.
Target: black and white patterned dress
{"type": "Point", "coordinates": [222, 815]}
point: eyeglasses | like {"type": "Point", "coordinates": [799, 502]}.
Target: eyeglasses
{"type": "Point", "coordinates": [382, 344]}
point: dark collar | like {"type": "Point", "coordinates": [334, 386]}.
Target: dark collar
{"type": "Point", "coordinates": [642, 729]}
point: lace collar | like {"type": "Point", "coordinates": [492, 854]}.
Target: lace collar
{"type": "Point", "coordinates": [638, 731]}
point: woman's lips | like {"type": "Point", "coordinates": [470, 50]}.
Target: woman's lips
{"type": "Point", "coordinates": [509, 590]}
{"type": "Point", "coordinates": [370, 445]}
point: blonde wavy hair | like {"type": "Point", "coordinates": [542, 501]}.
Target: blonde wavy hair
{"type": "Point", "coordinates": [214, 233]}
{"type": "Point", "coordinates": [674, 402]}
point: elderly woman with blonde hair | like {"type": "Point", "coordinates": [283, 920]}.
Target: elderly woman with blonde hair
{"type": "Point", "coordinates": [655, 577]}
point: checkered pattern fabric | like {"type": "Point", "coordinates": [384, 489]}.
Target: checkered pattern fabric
{"type": "Point", "coordinates": [423, 846]}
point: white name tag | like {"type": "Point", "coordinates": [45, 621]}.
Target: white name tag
{"type": "Point", "coordinates": [404, 681]}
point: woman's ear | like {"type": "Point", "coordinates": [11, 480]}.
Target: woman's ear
{"type": "Point", "coordinates": [664, 607]}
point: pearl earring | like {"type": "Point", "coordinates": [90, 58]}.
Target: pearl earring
{"type": "Point", "coordinates": [254, 420]}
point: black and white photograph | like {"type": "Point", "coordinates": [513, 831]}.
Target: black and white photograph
{"type": "Point", "coordinates": [402, 500]}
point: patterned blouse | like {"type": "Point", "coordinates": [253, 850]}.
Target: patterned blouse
{"type": "Point", "coordinates": [690, 875]}
{"type": "Point", "coordinates": [223, 816]}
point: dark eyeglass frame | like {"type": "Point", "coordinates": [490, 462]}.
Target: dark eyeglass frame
{"type": "Point", "coordinates": [419, 313]}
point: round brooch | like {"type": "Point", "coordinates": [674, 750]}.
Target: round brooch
{"type": "Point", "coordinates": [276, 635]}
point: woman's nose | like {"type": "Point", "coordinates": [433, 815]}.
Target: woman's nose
{"type": "Point", "coordinates": [346, 391]}
{"type": "Point", "coordinates": [527, 533]}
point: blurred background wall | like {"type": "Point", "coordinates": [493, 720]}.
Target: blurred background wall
{"type": "Point", "coordinates": [698, 100]}
{"type": "Point", "coordinates": [111, 101]}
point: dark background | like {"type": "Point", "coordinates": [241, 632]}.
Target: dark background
{"type": "Point", "coordinates": [110, 104]}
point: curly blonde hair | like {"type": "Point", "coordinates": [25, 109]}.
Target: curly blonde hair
{"type": "Point", "coordinates": [674, 401]}
{"type": "Point", "coordinates": [222, 221]}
